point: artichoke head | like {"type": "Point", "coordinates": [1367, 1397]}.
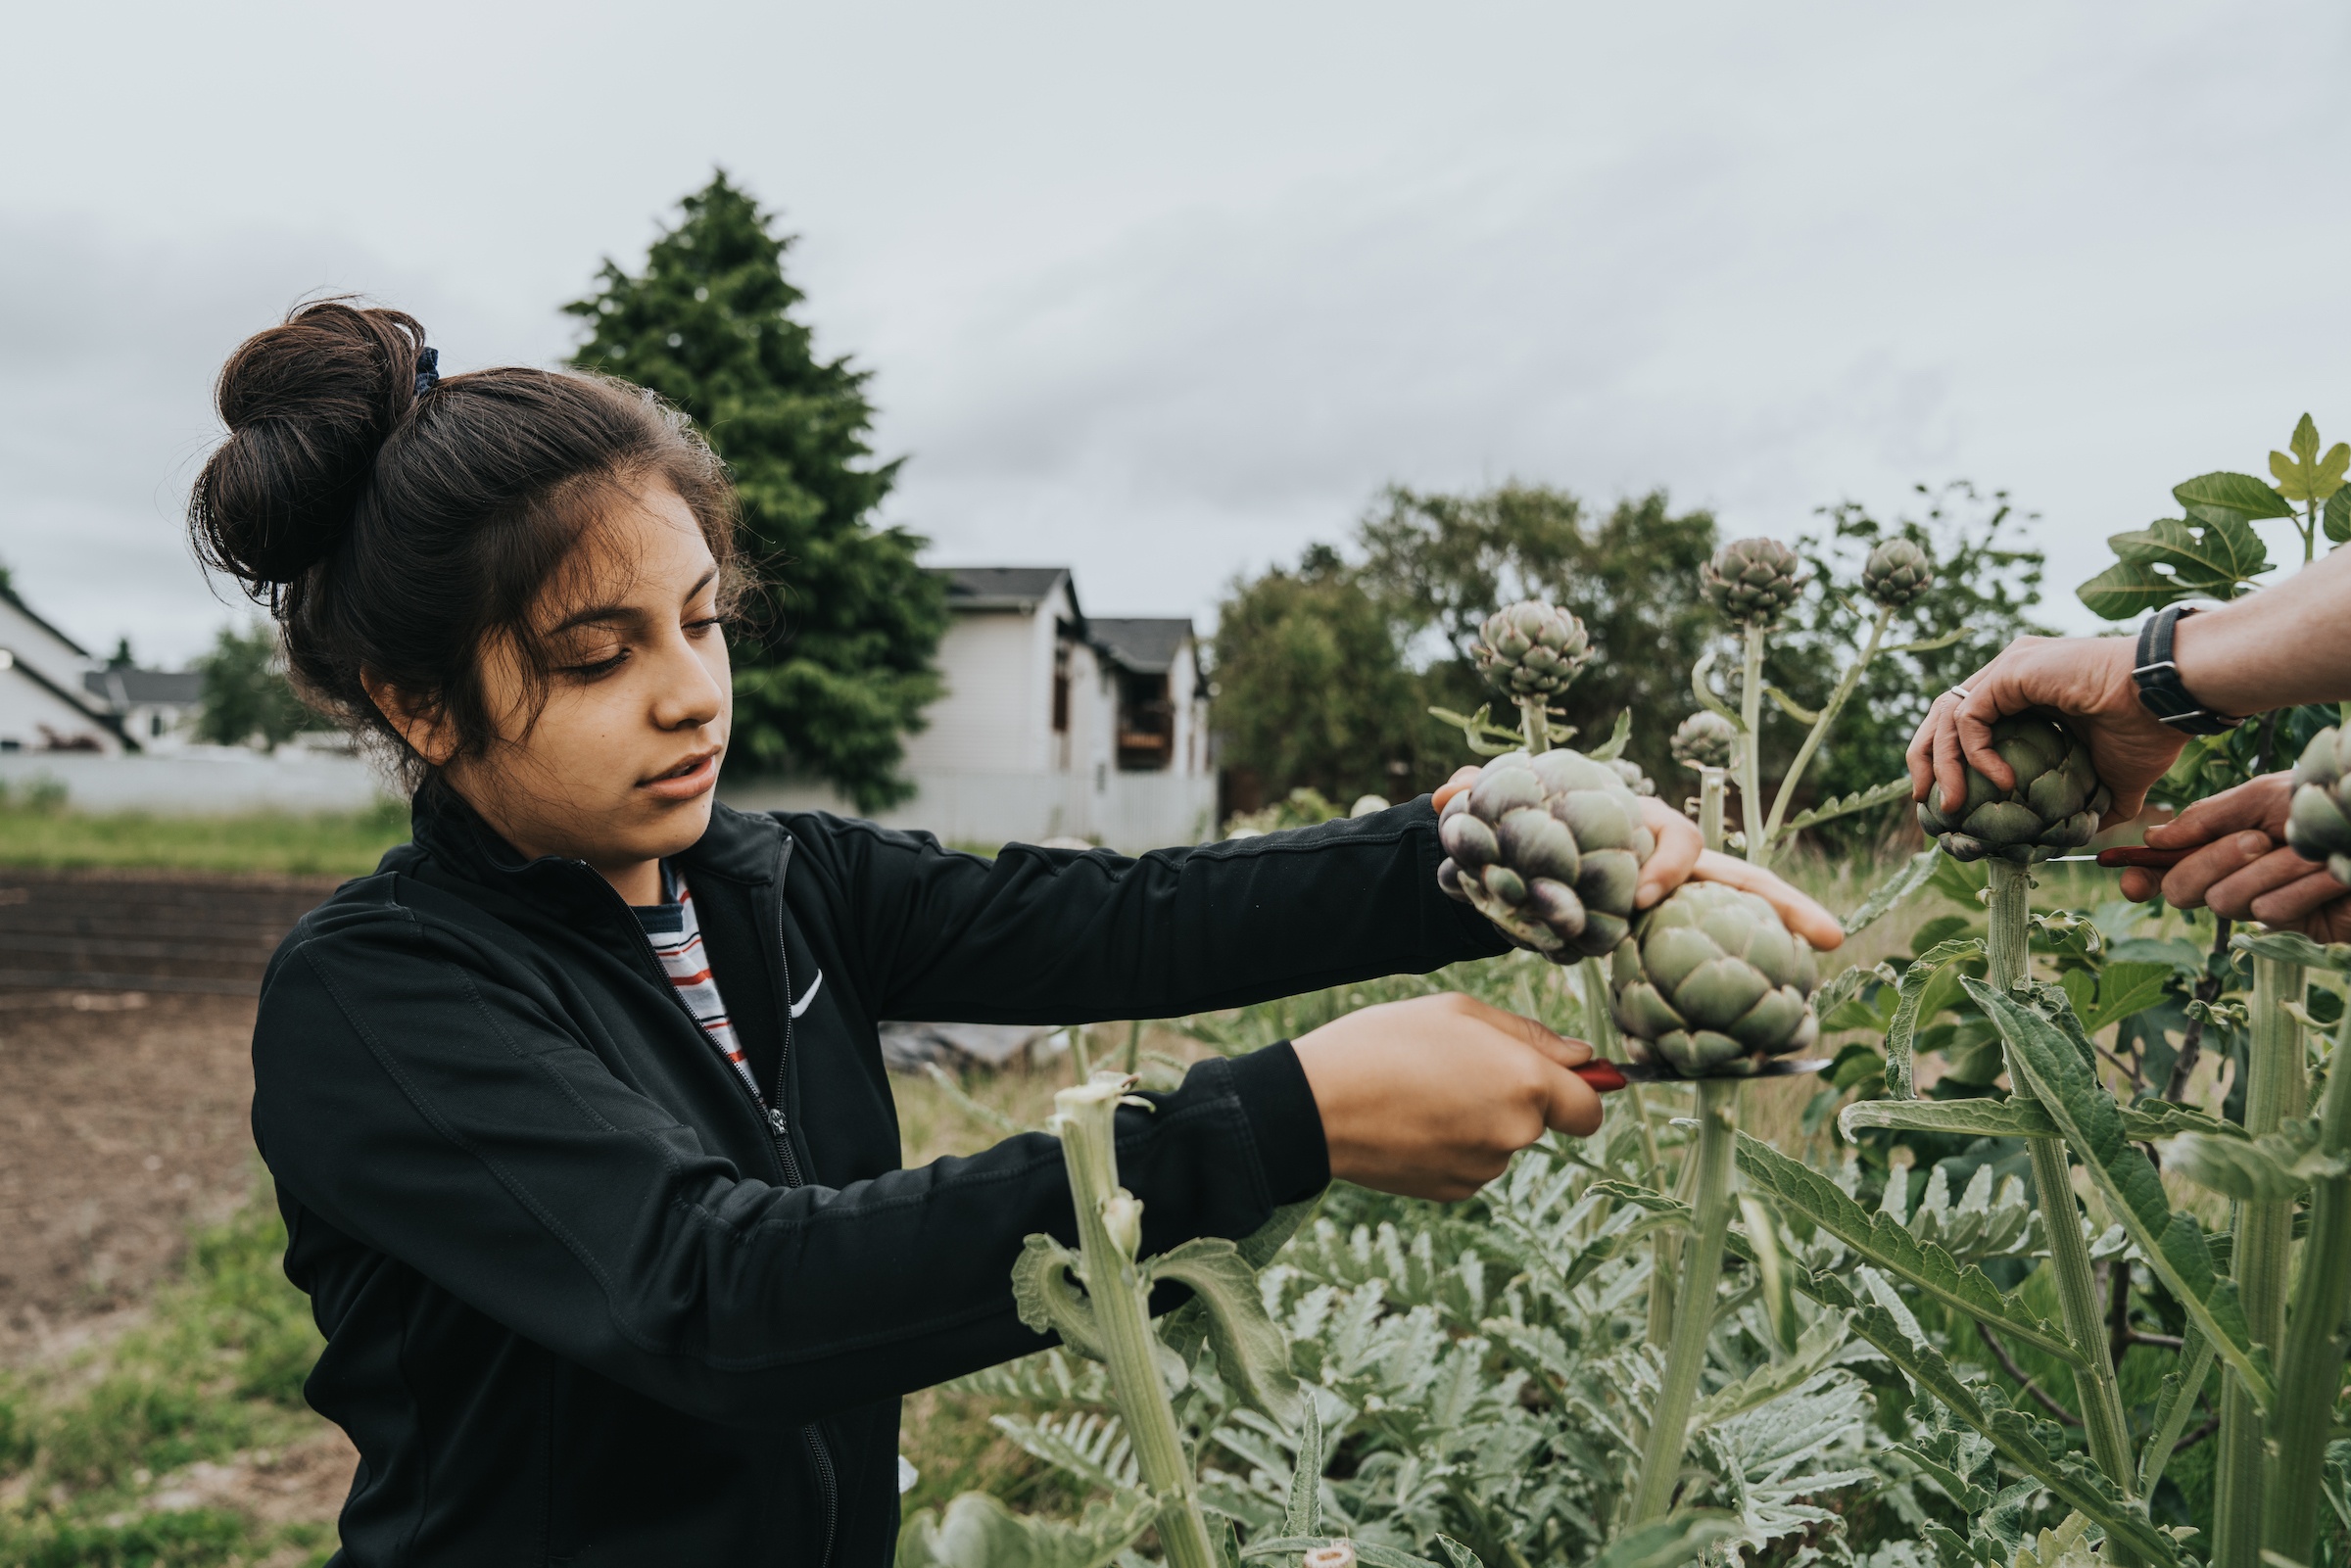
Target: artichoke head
{"type": "Point", "coordinates": [1706, 739]}
{"type": "Point", "coordinates": [1753, 580]}
{"type": "Point", "coordinates": [1639, 782]}
{"type": "Point", "coordinates": [1531, 649]}
{"type": "Point", "coordinates": [2319, 824]}
{"type": "Point", "coordinates": [1713, 984]}
{"type": "Point", "coordinates": [2054, 807]}
{"type": "Point", "coordinates": [1549, 849]}
{"type": "Point", "coordinates": [1897, 573]}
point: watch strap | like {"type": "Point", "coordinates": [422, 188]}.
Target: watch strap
{"type": "Point", "coordinates": [2157, 674]}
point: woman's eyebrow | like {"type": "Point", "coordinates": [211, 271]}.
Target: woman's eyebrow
{"type": "Point", "coordinates": [594, 615]}
{"type": "Point", "coordinates": [701, 582]}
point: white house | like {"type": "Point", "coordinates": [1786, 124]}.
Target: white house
{"type": "Point", "coordinates": [43, 703]}
{"type": "Point", "coordinates": [1053, 725]}
{"type": "Point", "coordinates": [155, 708]}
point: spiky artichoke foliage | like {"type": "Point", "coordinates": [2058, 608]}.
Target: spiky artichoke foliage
{"type": "Point", "coordinates": [2320, 827]}
{"type": "Point", "coordinates": [1706, 739]}
{"type": "Point", "coordinates": [1753, 580]}
{"type": "Point", "coordinates": [1531, 649]}
{"type": "Point", "coordinates": [1549, 849]}
{"type": "Point", "coordinates": [1897, 573]}
{"type": "Point", "coordinates": [1714, 983]}
{"type": "Point", "coordinates": [2054, 806]}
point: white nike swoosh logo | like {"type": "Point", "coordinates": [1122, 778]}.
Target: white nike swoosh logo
{"type": "Point", "coordinates": [801, 1006]}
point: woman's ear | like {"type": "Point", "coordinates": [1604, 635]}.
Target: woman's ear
{"type": "Point", "coordinates": [424, 727]}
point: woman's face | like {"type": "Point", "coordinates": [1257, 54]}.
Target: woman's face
{"type": "Point", "coordinates": [618, 766]}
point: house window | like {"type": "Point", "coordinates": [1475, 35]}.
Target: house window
{"type": "Point", "coordinates": [155, 725]}
{"type": "Point", "coordinates": [1061, 689]}
{"type": "Point", "coordinates": [1146, 723]}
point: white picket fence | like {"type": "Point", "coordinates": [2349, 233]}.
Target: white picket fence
{"type": "Point", "coordinates": [199, 780]}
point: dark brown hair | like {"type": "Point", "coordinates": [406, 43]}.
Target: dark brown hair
{"type": "Point", "coordinates": [398, 532]}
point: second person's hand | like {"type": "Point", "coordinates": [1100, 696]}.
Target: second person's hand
{"type": "Point", "coordinates": [2240, 866]}
{"type": "Point", "coordinates": [1429, 1098]}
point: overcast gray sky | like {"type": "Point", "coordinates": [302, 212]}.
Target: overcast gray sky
{"type": "Point", "coordinates": [1164, 293]}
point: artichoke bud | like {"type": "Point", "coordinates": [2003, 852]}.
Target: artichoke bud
{"type": "Point", "coordinates": [1122, 1218]}
{"type": "Point", "coordinates": [1715, 985]}
{"type": "Point", "coordinates": [1897, 573]}
{"type": "Point", "coordinates": [1549, 849]}
{"type": "Point", "coordinates": [1753, 582]}
{"type": "Point", "coordinates": [1706, 739]}
{"type": "Point", "coordinates": [2054, 806]}
{"type": "Point", "coordinates": [1531, 649]}
{"type": "Point", "coordinates": [1639, 782]}
{"type": "Point", "coordinates": [2319, 826]}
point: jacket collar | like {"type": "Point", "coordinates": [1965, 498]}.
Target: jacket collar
{"type": "Point", "coordinates": [742, 847]}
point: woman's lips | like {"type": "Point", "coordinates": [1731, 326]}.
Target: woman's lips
{"type": "Point", "coordinates": [686, 782]}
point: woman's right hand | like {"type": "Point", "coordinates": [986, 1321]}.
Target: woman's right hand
{"type": "Point", "coordinates": [1430, 1097]}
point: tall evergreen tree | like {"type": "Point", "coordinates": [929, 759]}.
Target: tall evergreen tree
{"type": "Point", "coordinates": [840, 664]}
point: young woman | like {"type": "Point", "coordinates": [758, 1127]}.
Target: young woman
{"type": "Point", "coordinates": [575, 1109]}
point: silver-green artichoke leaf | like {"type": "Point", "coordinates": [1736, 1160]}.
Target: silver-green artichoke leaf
{"type": "Point", "coordinates": [1549, 849]}
{"type": "Point", "coordinates": [2054, 807]}
{"type": "Point", "coordinates": [1704, 739]}
{"type": "Point", "coordinates": [2320, 825]}
{"type": "Point", "coordinates": [1531, 649]}
{"type": "Point", "coordinates": [1897, 573]}
{"type": "Point", "coordinates": [1713, 983]}
{"type": "Point", "coordinates": [1753, 580]}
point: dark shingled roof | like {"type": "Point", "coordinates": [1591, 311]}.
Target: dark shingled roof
{"type": "Point", "coordinates": [1000, 588]}
{"type": "Point", "coordinates": [1147, 646]}
{"type": "Point", "coordinates": [126, 687]}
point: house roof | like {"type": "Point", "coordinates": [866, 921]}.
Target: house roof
{"type": "Point", "coordinates": [1002, 588]}
{"type": "Point", "coordinates": [120, 688]}
{"type": "Point", "coordinates": [8, 591]}
{"type": "Point", "coordinates": [1147, 645]}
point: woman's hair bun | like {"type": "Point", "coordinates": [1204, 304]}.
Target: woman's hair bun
{"type": "Point", "coordinates": [309, 403]}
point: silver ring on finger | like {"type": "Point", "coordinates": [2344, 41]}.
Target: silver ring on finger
{"type": "Point", "coordinates": [1960, 691]}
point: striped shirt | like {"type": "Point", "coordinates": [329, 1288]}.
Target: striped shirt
{"type": "Point", "coordinates": [677, 939]}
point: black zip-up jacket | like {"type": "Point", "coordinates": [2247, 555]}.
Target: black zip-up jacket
{"type": "Point", "coordinates": [585, 1303]}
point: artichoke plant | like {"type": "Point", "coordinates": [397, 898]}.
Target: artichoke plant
{"type": "Point", "coordinates": [2320, 827]}
{"type": "Point", "coordinates": [1753, 580]}
{"type": "Point", "coordinates": [1531, 649]}
{"type": "Point", "coordinates": [1897, 573]}
{"type": "Point", "coordinates": [1549, 848]}
{"type": "Point", "coordinates": [1706, 739]}
{"type": "Point", "coordinates": [1713, 983]}
{"type": "Point", "coordinates": [2054, 807]}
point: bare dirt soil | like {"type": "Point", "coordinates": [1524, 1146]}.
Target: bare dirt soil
{"type": "Point", "coordinates": [122, 1123]}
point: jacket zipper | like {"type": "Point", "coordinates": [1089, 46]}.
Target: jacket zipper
{"type": "Point", "coordinates": [779, 1128]}
{"type": "Point", "coordinates": [820, 1454]}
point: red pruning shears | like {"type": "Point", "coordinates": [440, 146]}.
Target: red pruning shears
{"type": "Point", "coordinates": [2134, 855]}
{"type": "Point", "coordinates": [1606, 1077]}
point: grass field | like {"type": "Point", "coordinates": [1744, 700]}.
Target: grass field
{"type": "Point", "coordinates": [344, 843]}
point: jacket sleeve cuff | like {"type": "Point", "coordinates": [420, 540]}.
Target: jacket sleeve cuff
{"type": "Point", "coordinates": [1284, 1122]}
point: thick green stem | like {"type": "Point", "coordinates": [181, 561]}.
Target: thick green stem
{"type": "Point", "coordinates": [1694, 1303]}
{"type": "Point", "coordinates": [2007, 951]}
{"type": "Point", "coordinates": [1750, 746]}
{"type": "Point", "coordinates": [1109, 1222]}
{"type": "Point", "coordinates": [1712, 785]}
{"type": "Point", "coordinates": [2274, 1091]}
{"type": "Point", "coordinates": [1534, 724]}
{"type": "Point", "coordinates": [1820, 726]}
{"type": "Point", "coordinates": [2309, 1372]}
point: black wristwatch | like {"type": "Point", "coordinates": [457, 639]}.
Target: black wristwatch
{"type": "Point", "coordinates": [2158, 678]}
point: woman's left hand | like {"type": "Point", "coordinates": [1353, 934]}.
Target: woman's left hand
{"type": "Point", "coordinates": [1682, 854]}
